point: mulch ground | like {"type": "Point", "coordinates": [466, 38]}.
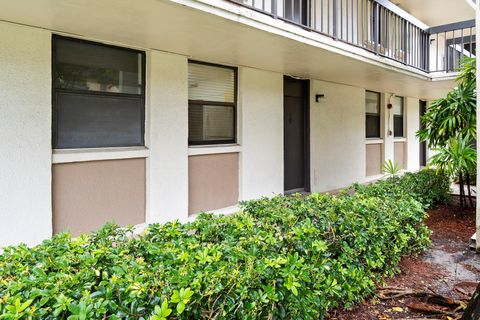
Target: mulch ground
{"type": "Point", "coordinates": [448, 268]}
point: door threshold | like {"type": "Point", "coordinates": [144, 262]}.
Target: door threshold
{"type": "Point", "coordinates": [297, 190]}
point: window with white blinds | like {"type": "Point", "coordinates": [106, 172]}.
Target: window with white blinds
{"type": "Point", "coordinates": [212, 104]}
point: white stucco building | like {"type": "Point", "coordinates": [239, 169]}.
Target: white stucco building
{"type": "Point", "coordinates": [148, 111]}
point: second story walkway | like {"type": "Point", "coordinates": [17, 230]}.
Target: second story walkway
{"type": "Point", "coordinates": [381, 27]}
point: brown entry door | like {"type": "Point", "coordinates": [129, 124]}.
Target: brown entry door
{"type": "Point", "coordinates": [295, 135]}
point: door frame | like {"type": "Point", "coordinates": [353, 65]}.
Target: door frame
{"type": "Point", "coordinates": [306, 130]}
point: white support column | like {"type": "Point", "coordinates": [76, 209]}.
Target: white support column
{"type": "Point", "coordinates": [25, 133]}
{"type": "Point", "coordinates": [412, 114]}
{"type": "Point", "coordinates": [261, 133]}
{"type": "Point", "coordinates": [167, 112]}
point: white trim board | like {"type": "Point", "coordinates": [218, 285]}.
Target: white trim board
{"type": "Point", "coordinates": [213, 149]}
{"type": "Point", "coordinates": [97, 154]}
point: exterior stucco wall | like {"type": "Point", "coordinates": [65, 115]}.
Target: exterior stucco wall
{"type": "Point", "coordinates": [167, 166]}
{"type": "Point", "coordinates": [337, 135]}
{"type": "Point", "coordinates": [25, 131]}
{"type": "Point", "coordinates": [261, 133]}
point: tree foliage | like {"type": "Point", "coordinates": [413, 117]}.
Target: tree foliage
{"type": "Point", "coordinates": [454, 115]}
{"type": "Point", "coordinates": [450, 129]}
{"type": "Point", "coordinates": [458, 157]}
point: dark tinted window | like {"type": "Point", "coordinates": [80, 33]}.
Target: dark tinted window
{"type": "Point", "coordinates": [98, 95]}
{"type": "Point", "coordinates": [398, 116]}
{"type": "Point", "coordinates": [88, 66]}
{"type": "Point", "coordinates": [373, 126]}
{"type": "Point", "coordinates": [93, 121]}
{"type": "Point", "coordinates": [398, 126]}
{"type": "Point", "coordinates": [372, 114]}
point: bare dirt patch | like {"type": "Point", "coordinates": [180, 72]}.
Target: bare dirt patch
{"type": "Point", "coordinates": [448, 268]}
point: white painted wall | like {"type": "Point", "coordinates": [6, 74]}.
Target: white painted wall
{"type": "Point", "coordinates": [437, 57]}
{"type": "Point", "coordinates": [261, 133]}
{"type": "Point", "coordinates": [412, 125]}
{"type": "Point", "coordinates": [337, 135]}
{"type": "Point", "coordinates": [167, 166]}
{"type": "Point", "coordinates": [25, 135]}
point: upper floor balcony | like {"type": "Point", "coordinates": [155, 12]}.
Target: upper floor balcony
{"type": "Point", "coordinates": [370, 44]}
{"type": "Point", "coordinates": [380, 27]}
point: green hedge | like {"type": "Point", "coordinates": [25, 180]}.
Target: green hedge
{"type": "Point", "coordinates": [426, 186]}
{"type": "Point", "coordinates": [282, 258]}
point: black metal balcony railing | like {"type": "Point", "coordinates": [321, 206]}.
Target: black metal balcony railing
{"type": "Point", "coordinates": [450, 43]}
{"type": "Point", "coordinates": [372, 25]}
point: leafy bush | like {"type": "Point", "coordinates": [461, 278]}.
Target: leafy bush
{"type": "Point", "coordinates": [281, 258]}
{"type": "Point", "coordinates": [426, 186]}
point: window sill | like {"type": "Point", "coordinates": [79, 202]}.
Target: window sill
{"type": "Point", "coordinates": [223, 211]}
{"type": "Point", "coordinates": [373, 141]}
{"type": "Point", "coordinates": [97, 154]}
{"type": "Point", "coordinates": [399, 139]}
{"type": "Point", "coordinates": [373, 178]}
{"type": "Point", "coordinates": [213, 149]}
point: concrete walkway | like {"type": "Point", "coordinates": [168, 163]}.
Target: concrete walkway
{"type": "Point", "coordinates": [455, 189]}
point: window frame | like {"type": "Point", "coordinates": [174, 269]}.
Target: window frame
{"type": "Point", "coordinates": [403, 120]}
{"type": "Point", "coordinates": [233, 104]}
{"type": "Point", "coordinates": [95, 93]}
{"type": "Point", "coordinates": [379, 115]}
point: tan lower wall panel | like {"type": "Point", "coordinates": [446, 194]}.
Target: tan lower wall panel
{"type": "Point", "coordinates": [399, 154]}
{"type": "Point", "coordinates": [212, 182]}
{"type": "Point", "coordinates": [373, 159]}
{"type": "Point", "coordinates": [86, 195]}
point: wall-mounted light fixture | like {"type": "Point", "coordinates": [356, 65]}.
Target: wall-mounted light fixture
{"type": "Point", "coordinates": [318, 97]}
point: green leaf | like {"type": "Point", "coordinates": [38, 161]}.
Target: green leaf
{"type": "Point", "coordinates": [294, 291]}
{"type": "Point", "coordinates": [165, 311]}
{"type": "Point", "coordinates": [180, 307]}
{"type": "Point", "coordinates": [175, 296]}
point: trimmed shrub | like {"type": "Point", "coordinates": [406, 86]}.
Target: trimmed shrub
{"type": "Point", "coordinates": [426, 186]}
{"type": "Point", "coordinates": [281, 258]}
